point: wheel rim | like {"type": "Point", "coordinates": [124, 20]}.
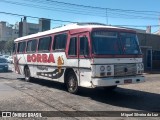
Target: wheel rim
{"type": "Point", "coordinates": [72, 84]}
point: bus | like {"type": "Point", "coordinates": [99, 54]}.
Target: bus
{"type": "Point", "coordinates": [81, 54]}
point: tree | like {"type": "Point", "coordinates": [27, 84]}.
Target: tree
{"type": "Point", "coordinates": [2, 46]}
{"type": "Point", "coordinates": [8, 46]}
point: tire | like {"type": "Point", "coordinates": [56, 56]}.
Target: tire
{"type": "Point", "coordinates": [72, 83]}
{"type": "Point", "coordinates": [110, 88]}
{"type": "Point", "coordinates": [27, 74]}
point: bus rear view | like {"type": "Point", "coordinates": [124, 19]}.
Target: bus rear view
{"type": "Point", "coordinates": [117, 58]}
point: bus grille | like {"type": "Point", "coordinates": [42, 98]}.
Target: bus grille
{"type": "Point", "coordinates": [125, 69]}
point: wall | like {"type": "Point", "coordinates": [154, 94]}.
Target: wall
{"type": "Point", "coordinates": [7, 32]}
{"type": "Point", "coordinates": [149, 40]}
{"type": "Point", "coordinates": [150, 46]}
{"type": "Point", "coordinates": [26, 28]}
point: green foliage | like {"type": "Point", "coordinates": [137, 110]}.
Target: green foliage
{"type": "Point", "coordinates": [6, 46]}
{"type": "Point", "coordinates": [9, 46]}
{"type": "Point", "coordinates": [2, 46]}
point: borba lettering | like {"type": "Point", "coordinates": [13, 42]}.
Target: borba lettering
{"type": "Point", "coordinates": [41, 58]}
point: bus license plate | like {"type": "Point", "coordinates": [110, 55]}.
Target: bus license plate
{"type": "Point", "coordinates": [128, 81]}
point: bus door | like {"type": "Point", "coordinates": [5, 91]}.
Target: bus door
{"type": "Point", "coordinates": [84, 64]}
{"type": "Point", "coordinates": [73, 60]}
{"type": "Point", "coordinates": [78, 54]}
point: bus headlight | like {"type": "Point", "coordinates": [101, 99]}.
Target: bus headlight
{"type": "Point", "coordinates": [140, 68]}
{"type": "Point", "coordinates": [102, 68]}
{"type": "Point", "coordinates": [108, 68]}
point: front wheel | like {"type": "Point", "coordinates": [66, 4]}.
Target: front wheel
{"type": "Point", "coordinates": [27, 74]}
{"type": "Point", "coordinates": [72, 83]}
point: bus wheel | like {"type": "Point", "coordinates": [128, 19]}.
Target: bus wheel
{"type": "Point", "coordinates": [71, 83]}
{"type": "Point", "coordinates": [110, 88]}
{"type": "Point", "coordinates": [27, 74]}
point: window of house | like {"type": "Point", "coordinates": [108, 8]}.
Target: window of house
{"type": "Point", "coordinates": [73, 47]}
{"type": "Point", "coordinates": [44, 44]}
{"type": "Point", "coordinates": [21, 47]}
{"type": "Point", "coordinates": [60, 42]}
{"type": "Point", "coordinates": [31, 46]}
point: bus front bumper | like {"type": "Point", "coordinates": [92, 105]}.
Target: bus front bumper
{"type": "Point", "coordinates": [101, 82]}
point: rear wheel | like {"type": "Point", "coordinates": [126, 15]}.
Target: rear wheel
{"type": "Point", "coordinates": [72, 83]}
{"type": "Point", "coordinates": [27, 74]}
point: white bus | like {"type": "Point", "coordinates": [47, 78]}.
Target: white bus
{"type": "Point", "coordinates": [82, 54]}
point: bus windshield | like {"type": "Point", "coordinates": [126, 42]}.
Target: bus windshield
{"type": "Point", "coordinates": [105, 42]}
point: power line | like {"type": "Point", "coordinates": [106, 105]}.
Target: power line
{"type": "Point", "coordinates": [20, 15]}
{"type": "Point", "coordinates": [52, 8]}
{"type": "Point", "coordinates": [112, 14]}
{"type": "Point", "coordinates": [91, 7]}
{"type": "Point", "coordinates": [103, 8]}
{"type": "Point", "coordinates": [100, 7]}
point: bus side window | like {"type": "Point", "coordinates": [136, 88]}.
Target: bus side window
{"type": "Point", "coordinates": [44, 44]}
{"type": "Point", "coordinates": [84, 48]}
{"type": "Point", "coordinates": [73, 47]}
{"type": "Point", "coordinates": [29, 43]}
{"type": "Point", "coordinates": [34, 45]}
{"type": "Point", "coordinates": [60, 42]}
{"type": "Point", "coordinates": [21, 47]}
{"type": "Point", "coordinates": [31, 46]}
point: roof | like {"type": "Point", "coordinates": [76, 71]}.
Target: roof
{"type": "Point", "coordinates": [69, 27]}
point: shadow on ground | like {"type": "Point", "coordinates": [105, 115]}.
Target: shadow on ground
{"type": "Point", "coordinates": [9, 71]}
{"type": "Point", "coordinates": [122, 97]}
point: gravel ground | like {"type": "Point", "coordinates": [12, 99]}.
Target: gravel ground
{"type": "Point", "coordinates": [44, 95]}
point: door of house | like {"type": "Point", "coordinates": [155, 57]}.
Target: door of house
{"type": "Point", "coordinates": [149, 58]}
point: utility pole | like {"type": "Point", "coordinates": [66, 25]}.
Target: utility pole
{"type": "Point", "coordinates": [106, 16]}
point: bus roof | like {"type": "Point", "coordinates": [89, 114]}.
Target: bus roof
{"type": "Point", "coordinates": [70, 27]}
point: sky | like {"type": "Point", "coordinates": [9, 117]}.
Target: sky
{"type": "Point", "coordinates": [72, 13]}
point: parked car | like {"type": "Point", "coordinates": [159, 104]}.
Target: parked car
{"type": "Point", "coordinates": [3, 64]}
{"type": "Point", "coordinates": [1, 55]}
{"type": "Point", "coordinates": [5, 56]}
{"type": "Point", "coordinates": [10, 59]}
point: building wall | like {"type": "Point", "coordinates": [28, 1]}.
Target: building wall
{"type": "Point", "coordinates": [7, 32]}
{"type": "Point", "coordinates": [149, 40]}
{"type": "Point", "coordinates": [45, 24]}
{"type": "Point", "coordinates": [30, 28]}
{"type": "Point", "coordinates": [26, 28]}
{"type": "Point", "coordinates": [150, 46]}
